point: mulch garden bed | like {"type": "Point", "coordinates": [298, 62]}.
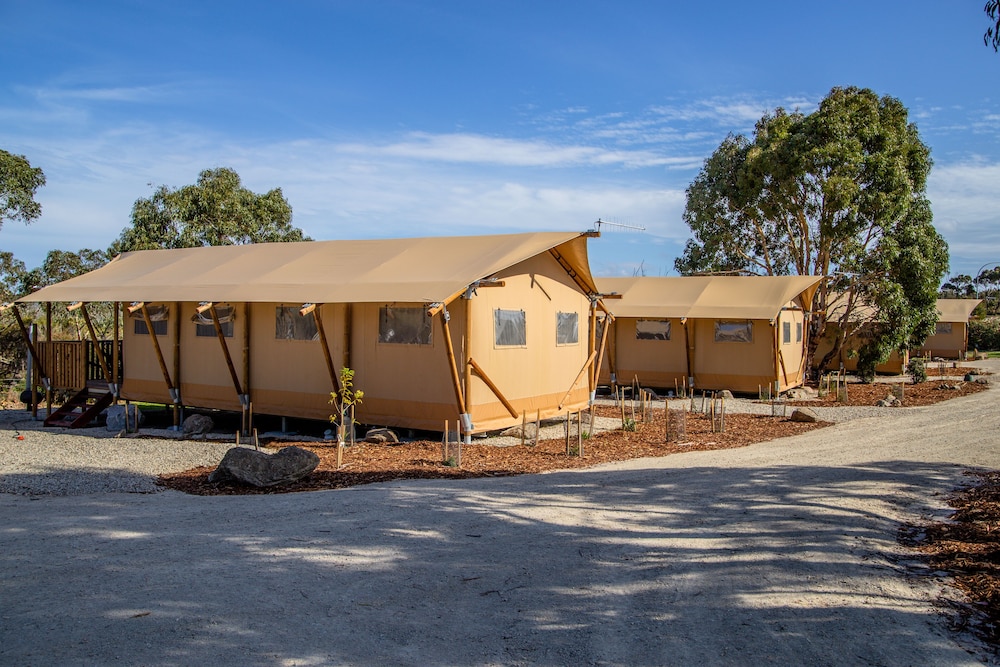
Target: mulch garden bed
{"type": "Point", "coordinates": [967, 547]}
{"type": "Point", "coordinates": [366, 463]}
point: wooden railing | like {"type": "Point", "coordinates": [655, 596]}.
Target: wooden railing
{"type": "Point", "coordinates": [72, 364]}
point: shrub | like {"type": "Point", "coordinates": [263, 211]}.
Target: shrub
{"type": "Point", "coordinates": [984, 334]}
{"type": "Point", "coordinates": [917, 369]}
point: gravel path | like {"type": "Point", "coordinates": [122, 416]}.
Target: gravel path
{"type": "Point", "coordinates": [35, 460]}
{"type": "Point", "coordinates": [783, 552]}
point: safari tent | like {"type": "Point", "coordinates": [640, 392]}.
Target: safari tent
{"type": "Point", "coordinates": [846, 358]}
{"type": "Point", "coordinates": [478, 330]}
{"type": "Point", "coordinates": [951, 335]}
{"type": "Point", "coordinates": [950, 341]}
{"type": "Point", "coordinates": [741, 333]}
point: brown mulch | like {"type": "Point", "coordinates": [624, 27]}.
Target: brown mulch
{"type": "Point", "coordinates": [925, 393]}
{"type": "Point", "coordinates": [366, 463]}
{"type": "Point", "coordinates": [967, 547]}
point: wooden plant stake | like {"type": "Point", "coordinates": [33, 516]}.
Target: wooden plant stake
{"type": "Point", "coordinates": [567, 433]}
{"type": "Point", "coordinates": [579, 434]}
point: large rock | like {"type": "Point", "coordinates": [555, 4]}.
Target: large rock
{"type": "Point", "coordinates": [803, 415]}
{"type": "Point", "coordinates": [801, 393]}
{"type": "Point", "coordinates": [250, 466]}
{"type": "Point", "coordinates": [116, 417]}
{"type": "Point", "coordinates": [197, 425]}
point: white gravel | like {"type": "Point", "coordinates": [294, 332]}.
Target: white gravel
{"type": "Point", "coordinates": [36, 460]}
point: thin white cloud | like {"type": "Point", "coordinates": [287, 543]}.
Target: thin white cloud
{"type": "Point", "coordinates": [479, 149]}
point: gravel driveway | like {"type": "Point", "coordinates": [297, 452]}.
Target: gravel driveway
{"type": "Point", "coordinates": [783, 552]}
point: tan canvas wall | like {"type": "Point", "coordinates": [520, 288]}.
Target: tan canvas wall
{"type": "Point", "coordinates": [952, 345]}
{"type": "Point", "coordinates": [742, 367]}
{"type": "Point", "coordinates": [791, 362]}
{"type": "Point", "coordinates": [536, 376]}
{"type": "Point", "coordinates": [405, 385]}
{"type": "Point", "coordinates": [656, 363]}
{"type": "Point", "coordinates": [143, 380]}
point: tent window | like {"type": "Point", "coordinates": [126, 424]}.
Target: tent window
{"type": "Point", "coordinates": [786, 332]}
{"type": "Point", "coordinates": [942, 328]}
{"type": "Point", "coordinates": [203, 325]}
{"type": "Point", "coordinates": [733, 331]}
{"type": "Point", "coordinates": [289, 324]}
{"type": "Point", "coordinates": [798, 332]}
{"type": "Point", "coordinates": [510, 328]}
{"type": "Point", "coordinates": [567, 328]}
{"type": "Point", "coordinates": [158, 315]}
{"type": "Point", "coordinates": [652, 330]}
{"type": "Point", "coordinates": [404, 326]}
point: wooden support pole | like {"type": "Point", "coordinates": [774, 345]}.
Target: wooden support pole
{"type": "Point", "coordinates": [592, 345]}
{"type": "Point", "coordinates": [481, 374]}
{"type": "Point", "coordinates": [159, 356]}
{"type": "Point", "coordinates": [248, 407]}
{"type": "Point", "coordinates": [115, 352]}
{"type": "Point", "coordinates": [331, 371]}
{"type": "Point", "coordinates": [36, 373]}
{"type": "Point", "coordinates": [97, 345]}
{"type": "Point", "coordinates": [48, 340]}
{"type": "Point", "coordinates": [177, 363]}
{"type": "Point", "coordinates": [608, 322]}
{"type": "Point", "coordinates": [453, 366]}
{"type": "Point", "coordinates": [32, 350]}
{"type": "Point", "coordinates": [579, 375]}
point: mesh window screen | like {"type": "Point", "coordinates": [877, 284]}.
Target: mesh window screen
{"type": "Point", "coordinates": [652, 329]}
{"type": "Point", "coordinates": [733, 331]}
{"type": "Point", "coordinates": [567, 328]}
{"type": "Point", "coordinates": [509, 328]}
{"type": "Point", "coordinates": [289, 324]}
{"type": "Point", "coordinates": [404, 326]}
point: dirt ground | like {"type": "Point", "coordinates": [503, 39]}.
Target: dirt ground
{"type": "Point", "coordinates": [779, 552]}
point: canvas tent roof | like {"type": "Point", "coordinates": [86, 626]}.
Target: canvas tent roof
{"type": "Point", "coordinates": [956, 310]}
{"type": "Point", "coordinates": [416, 270]}
{"type": "Point", "coordinates": [732, 297]}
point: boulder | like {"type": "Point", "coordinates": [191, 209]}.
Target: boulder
{"type": "Point", "coordinates": [116, 417]}
{"type": "Point", "coordinates": [257, 468]}
{"type": "Point", "coordinates": [381, 436]}
{"type": "Point", "coordinates": [529, 431]}
{"type": "Point", "coordinates": [889, 401]}
{"type": "Point", "coordinates": [801, 393]}
{"type": "Point", "coordinates": [197, 425]}
{"type": "Point", "coordinates": [803, 415]}
{"type": "Point", "coordinates": [725, 393]}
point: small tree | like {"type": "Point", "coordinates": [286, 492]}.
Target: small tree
{"type": "Point", "coordinates": [345, 401]}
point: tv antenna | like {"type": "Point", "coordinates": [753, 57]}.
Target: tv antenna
{"type": "Point", "coordinates": [618, 225]}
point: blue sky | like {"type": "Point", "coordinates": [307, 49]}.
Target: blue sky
{"type": "Point", "coordinates": [389, 119]}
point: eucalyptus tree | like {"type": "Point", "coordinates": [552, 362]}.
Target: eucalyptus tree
{"type": "Point", "coordinates": [19, 182]}
{"type": "Point", "coordinates": [839, 193]}
{"type": "Point", "coordinates": [217, 210]}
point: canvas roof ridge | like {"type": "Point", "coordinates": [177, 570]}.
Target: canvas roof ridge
{"type": "Point", "coordinates": [415, 269]}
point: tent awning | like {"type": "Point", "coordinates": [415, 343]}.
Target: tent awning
{"type": "Point", "coordinates": [709, 297]}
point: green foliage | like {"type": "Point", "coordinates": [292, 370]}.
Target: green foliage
{"type": "Point", "coordinates": [992, 34]}
{"type": "Point", "coordinates": [628, 424]}
{"type": "Point", "coordinates": [345, 400]}
{"type": "Point", "coordinates": [984, 334]}
{"type": "Point", "coordinates": [217, 210]}
{"type": "Point", "coordinates": [917, 370]}
{"type": "Point", "coordinates": [840, 193]}
{"type": "Point", "coordinates": [19, 182]}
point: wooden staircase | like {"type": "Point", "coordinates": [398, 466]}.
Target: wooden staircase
{"type": "Point", "coordinates": [81, 409]}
